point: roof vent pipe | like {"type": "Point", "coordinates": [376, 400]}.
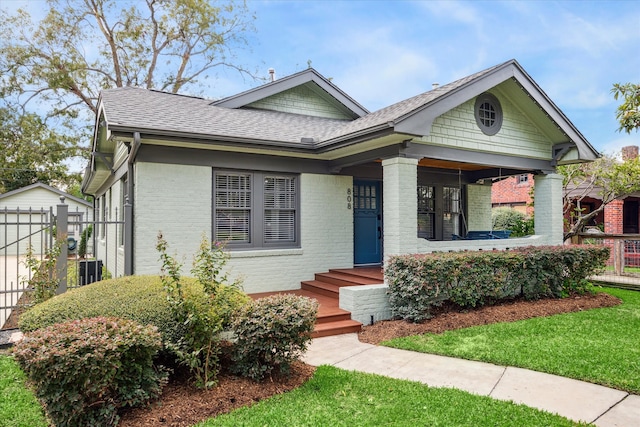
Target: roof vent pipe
{"type": "Point", "coordinates": [272, 74]}
{"type": "Point", "coordinates": [435, 85]}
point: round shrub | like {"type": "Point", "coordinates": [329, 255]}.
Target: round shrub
{"type": "Point", "coordinates": [86, 370]}
{"type": "Point", "coordinates": [271, 333]}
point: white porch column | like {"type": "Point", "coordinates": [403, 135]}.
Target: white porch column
{"type": "Point", "coordinates": [400, 206]}
{"type": "Point", "coordinates": [548, 207]}
{"type": "Point", "coordinates": [479, 207]}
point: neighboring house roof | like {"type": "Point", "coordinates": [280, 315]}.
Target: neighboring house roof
{"type": "Point", "coordinates": [244, 122]}
{"type": "Point", "coordinates": [67, 196]}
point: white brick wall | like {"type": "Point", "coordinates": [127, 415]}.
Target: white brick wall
{"type": "Point", "coordinates": [326, 234]}
{"type": "Point", "coordinates": [174, 199]}
{"type": "Point", "coordinates": [400, 205]}
{"type": "Point", "coordinates": [479, 207]}
{"type": "Point", "coordinates": [177, 200]}
{"type": "Point", "coordinates": [366, 301]}
{"type": "Point", "coordinates": [548, 205]}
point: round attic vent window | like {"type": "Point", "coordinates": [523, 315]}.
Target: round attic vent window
{"type": "Point", "coordinates": [488, 114]}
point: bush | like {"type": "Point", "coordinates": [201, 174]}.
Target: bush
{"type": "Point", "coordinates": [86, 370]}
{"type": "Point", "coordinates": [510, 219]}
{"type": "Point", "coordinates": [204, 317]}
{"type": "Point", "coordinates": [505, 218]}
{"type": "Point", "coordinates": [417, 283]}
{"type": "Point", "coordinates": [271, 333]}
{"type": "Point", "coordinates": [138, 298]}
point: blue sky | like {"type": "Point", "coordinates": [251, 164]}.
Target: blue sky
{"type": "Point", "coordinates": [380, 52]}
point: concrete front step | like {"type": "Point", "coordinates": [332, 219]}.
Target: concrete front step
{"type": "Point", "coordinates": [336, 328]}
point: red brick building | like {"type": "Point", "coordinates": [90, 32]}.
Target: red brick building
{"type": "Point", "coordinates": [619, 216]}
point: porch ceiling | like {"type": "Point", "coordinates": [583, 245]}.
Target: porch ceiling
{"type": "Point", "coordinates": [445, 164]}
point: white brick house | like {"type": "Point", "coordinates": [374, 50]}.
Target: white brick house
{"type": "Point", "coordinates": [298, 177]}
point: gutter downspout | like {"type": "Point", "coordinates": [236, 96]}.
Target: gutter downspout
{"type": "Point", "coordinates": [129, 203]}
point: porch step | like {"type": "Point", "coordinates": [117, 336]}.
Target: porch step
{"type": "Point", "coordinates": [321, 287]}
{"type": "Point", "coordinates": [336, 328]}
{"type": "Point", "coordinates": [341, 278]}
{"type": "Point", "coordinates": [373, 273]}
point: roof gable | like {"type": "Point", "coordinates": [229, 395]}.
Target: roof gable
{"type": "Point", "coordinates": [321, 86]}
{"type": "Point", "coordinates": [45, 187]}
{"type": "Point", "coordinates": [307, 99]}
{"type": "Point", "coordinates": [418, 121]}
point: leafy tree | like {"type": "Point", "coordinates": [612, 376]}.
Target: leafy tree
{"type": "Point", "coordinates": [607, 178]}
{"type": "Point", "coordinates": [628, 113]}
{"type": "Point", "coordinates": [84, 46]}
{"type": "Point", "coordinates": [32, 152]}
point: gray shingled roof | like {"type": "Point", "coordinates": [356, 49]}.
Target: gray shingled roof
{"type": "Point", "coordinates": [152, 111]}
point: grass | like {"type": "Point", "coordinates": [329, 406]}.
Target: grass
{"type": "Point", "coordinates": [335, 397]}
{"type": "Point", "coordinates": [18, 406]}
{"type": "Point", "coordinates": [599, 346]}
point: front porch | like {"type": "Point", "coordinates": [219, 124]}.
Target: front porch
{"type": "Point", "coordinates": [325, 288]}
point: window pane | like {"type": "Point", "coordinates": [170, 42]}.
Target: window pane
{"type": "Point", "coordinates": [426, 212]}
{"type": "Point", "coordinates": [233, 207]}
{"type": "Point", "coordinates": [451, 212]}
{"type": "Point", "coordinates": [279, 226]}
{"type": "Point", "coordinates": [232, 225]}
{"type": "Point", "coordinates": [279, 209]}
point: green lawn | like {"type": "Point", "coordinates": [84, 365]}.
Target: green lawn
{"type": "Point", "coordinates": [334, 397]}
{"type": "Point", "coordinates": [18, 406]}
{"type": "Point", "coordinates": [599, 346]}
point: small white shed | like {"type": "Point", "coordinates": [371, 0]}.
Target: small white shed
{"type": "Point", "coordinates": [25, 212]}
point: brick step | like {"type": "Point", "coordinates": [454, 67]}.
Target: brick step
{"type": "Point", "coordinates": [342, 279]}
{"type": "Point", "coordinates": [322, 288]}
{"type": "Point", "coordinates": [336, 328]}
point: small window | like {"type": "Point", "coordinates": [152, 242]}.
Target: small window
{"type": "Point", "coordinates": [488, 113]}
{"type": "Point", "coordinates": [523, 179]}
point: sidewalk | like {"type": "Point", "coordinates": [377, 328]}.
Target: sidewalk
{"type": "Point", "coordinates": [576, 400]}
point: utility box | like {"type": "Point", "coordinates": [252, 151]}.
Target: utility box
{"type": "Point", "coordinates": [90, 271]}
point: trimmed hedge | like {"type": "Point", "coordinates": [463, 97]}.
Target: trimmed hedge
{"type": "Point", "coordinates": [86, 370]}
{"type": "Point", "coordinates": [419, 282]}
{"type": "Point", "coordinates": [139, 298]}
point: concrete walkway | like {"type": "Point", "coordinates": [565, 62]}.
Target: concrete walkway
{"type": "Point", "coordinates": [576, 400]}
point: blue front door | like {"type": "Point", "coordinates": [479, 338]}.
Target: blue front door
{"type": "Point", "coordinates": [367, 222]}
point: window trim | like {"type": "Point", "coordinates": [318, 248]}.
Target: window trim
{"type": "Point", "coordinates": [257, 211]}
{"type": "Point", "coordinates": [494, 128]}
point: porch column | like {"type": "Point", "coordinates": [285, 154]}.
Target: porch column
{"type": "Point", "coordinates": [400, 206]}
{"type": "Point", "coordinates": [548, 217]}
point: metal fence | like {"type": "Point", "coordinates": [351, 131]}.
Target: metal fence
{"type": "Point", "coordinates": [90, 250]}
